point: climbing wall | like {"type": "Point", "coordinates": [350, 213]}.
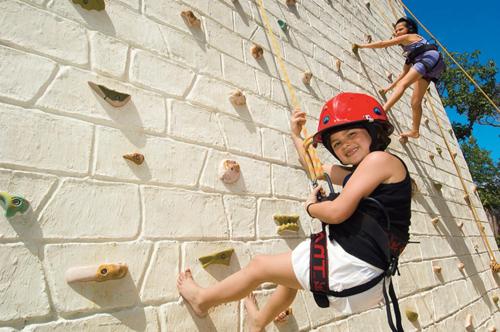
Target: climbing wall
{"type": "Point", "coordinates": [63, 142]}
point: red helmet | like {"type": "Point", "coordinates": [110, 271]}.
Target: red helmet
{"type": "Point", "coordinates": [346, 109]}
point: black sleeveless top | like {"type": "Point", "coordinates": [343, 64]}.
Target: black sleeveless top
{"type": "Point", "coordinates": [365, 234]}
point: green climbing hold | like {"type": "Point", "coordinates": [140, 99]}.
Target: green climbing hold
{"type": "Point", "coordinates": [222, 257]}
{"type": "Point", "coordinates": [283, 25]}
{"type": "Point", "coordinates": [91, 4]}
{"type": "Point", "coordinates": [13, 204]}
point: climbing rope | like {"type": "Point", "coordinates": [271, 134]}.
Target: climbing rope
{"type": "Point", "coordinates": [314, 167]}
{"type": "Point", "coordinates": [451, 57]}
{"type": "Point", "coordinates": [493, 263]}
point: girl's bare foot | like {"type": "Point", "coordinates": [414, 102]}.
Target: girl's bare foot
{"type": "Point", "coordinates": [283, 316]}
{"type": "Point", "coordinates": [252, 314]}
{"type": "Point", "coordinates": [410, 134]}
{"type": "Point", "coordinates": [190, 291]}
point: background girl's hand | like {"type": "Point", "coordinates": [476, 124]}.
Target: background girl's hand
{"type": "Point", "coordinates": [297, 121]}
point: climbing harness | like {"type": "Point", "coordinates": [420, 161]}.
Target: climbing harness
{"type": "Point", "coordinates": [318, 264]}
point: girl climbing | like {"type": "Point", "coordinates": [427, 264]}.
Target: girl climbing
{"type": "Point", "coordinates": [424, 64]}
{"type": "Point", "coordinates": [354, 128]}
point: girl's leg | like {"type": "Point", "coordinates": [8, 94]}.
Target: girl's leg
{"type": "Point", "coordinates": [416, 105]}
{"type": "Point", "coordinates": [411, 77]}
{"type": "Point", "coordinates": [281, 299]}
{"type": "Point", "coordinates": [273, 268]}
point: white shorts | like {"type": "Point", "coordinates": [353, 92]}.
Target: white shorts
{"type": "Point", "coordinates": [345, 271]}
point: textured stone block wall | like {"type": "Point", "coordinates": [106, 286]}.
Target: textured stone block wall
{"type": "Point", "coordinates": [61, 147]}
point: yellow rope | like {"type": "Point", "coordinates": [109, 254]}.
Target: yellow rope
{"type": "Point", "coordinates": [314, 167]}
{"type": "Point", "coordinates": [452, 58]}
{"type": "Point", "coordinates": [494, 265]}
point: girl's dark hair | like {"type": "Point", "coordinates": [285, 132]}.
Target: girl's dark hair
{"type": "Point", "coordinates": [409, 23]}
{"type": "Point", "coordinates": [379, 131]}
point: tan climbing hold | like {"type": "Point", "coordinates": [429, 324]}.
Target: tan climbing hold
{"type": "Point", "coordinates": [435, 221]}
{"type": "Point", "coordinates": [467, 198]}
{"type": "Point", "coordinates": [389, 76]}
{"type": "Point", "coordinates": [436, 269]}
{"type": "Point", "coordinates": [306, 78]}
{"type": "Point", "coordinates": [221, 257]}
{"type": "Point", "coordinates": [411, 315]}
{"type": "Point", "coordinates": [291, 2]}
{"type": "Point", "coordinates": [460, 225]}
{"type": "Point", "coordinates": [403, 139]}
{"type": "Point", "coordinates": [495, 267]}
{"type": "Point", "coordinates": [355, 48]}
{"type": "Point", "coordinates": [468, 322]}
{"type": "Point", "coordinates": [286, 223]}
{"type": "Point", "coordinates": [103, 272]}
{"type": "Point", "coordinates": [460, 266]}
{"type": "Point", "coordinates": [454, 155]}
{"type": "Point", "coordinates": [492, 329]}
{"type": "Point", "coordinates": [136, 157]}
{"type": "Point", "coordinates": [367, 4]}
{"type": "Point", "coordinates": [190, 19]}
{"type": "Point", "coordinates": [494, 298]}
{"type": "Point", "coordinates": [257, 51]}
{"type": "Point", "coordinates": [237, 98]}
{"type": "Point", "coordinates": [229, 171]}
{"type": "Point", "coordinates": [338, 64]}
{"type": "Point", "coordinates": [287, 313]}
{"type": "Point", "coordinates": [368, 38]}
{"type": "Point", "coordinates": [431, 156]}
{"type": "Point", "coordinates": [426, 121]}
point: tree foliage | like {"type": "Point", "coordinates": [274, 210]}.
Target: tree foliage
{"type": "Point", "coordinates": [457, 91]}
{"type": "Point", "coordinates": [484, 171]}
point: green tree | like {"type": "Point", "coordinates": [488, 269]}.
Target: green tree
{"type": "Point", "coordinates": [484, 171]}
{"type": "Point", "coordinates": [458, 92]}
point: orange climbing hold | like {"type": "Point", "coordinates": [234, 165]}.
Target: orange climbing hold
{"type": "Point", "coordinates": [136, 157]}
{"type": "Point", "coordinates": [306, 78]}
{"type": "Point", "coordinates": [435, 220]}
{"type": "Point", "coordinates": [338, 64]}
{"type": "Point", "coordinates": [436, 269]}
{"type": "Point", "coordinates": [291, 2]}
{"type": "Point", "coordinates": [191, 19]}
{"type": "Point", "coordinates": [237, 98]}
{"type": "Point", "coordinates": [103, 272]}
{"type": "Point", "coordinates": [257, 51]}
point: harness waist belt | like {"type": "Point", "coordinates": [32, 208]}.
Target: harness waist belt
{"type": "Point", "coordinates": [410, 58]}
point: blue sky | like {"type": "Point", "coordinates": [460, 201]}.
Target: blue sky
{"type": "Point", "coordinates": [464, 26]}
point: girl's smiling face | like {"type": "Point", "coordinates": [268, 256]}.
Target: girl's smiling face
{"type": "Point", "coordinates": [351, 145]}
{"type": "Point", "coordinates": [400, 29]}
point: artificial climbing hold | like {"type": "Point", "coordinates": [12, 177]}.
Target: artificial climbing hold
{"type": "Point", "coordinates": [431, 156]}
{"type": "Point", "coordinates": [103, 272]}
{"type": "Point", "coordinates": [460, 266]}
{"type": "Point", "coordinates": [403, 139]}
{"type": "Point", "coordinates": [229, 171]}
{"type": "Point", "coordinates": [136, 157]}
{"type": "Point", "coordinates": [389, 76]}
{"type": "Point", "coordinates": [367, 4]}
{"type": "Point", "coordinates": [468, 322]}
{"type": "Point", "coordinates": [435, 220]}
{"type": "Point", "coordinates": [286, 223]}
{"type": "Point", "coordinates": [492, 329]}
{"type": "Point", "coordinates": [291, 2]}
{"type": "Point", "coordinates": [338, 64]}
{"type": "Point", "coordinates": [411, 315]}
{"type": "Point", "coordinates": [439, 150]}
{"type": "Point", "coordinates": [13, 204]}
{"type": "Point", "coordinates": [306, 78]}
{"type": "Point", "coordinates": [112, 97]}
{"type": "Point", "coordinates": [460, 225]}
{"type": "Point", "coordinates": [437, 185]}
{"type": "Point", "coordinates": [368, 38]}
{"type": "Point", "coordinates": [436, 269]}
{"type": "Point", "coordinates": [283, 25]}
{"type": "Point", "coordinates": [190, 19]}
{"type": "Point", "coordinates": [221, 257]}
{"type": "Point", "coordinates": [467, 198]}
{"type": "Point", "coordinates": [91, 4]}
{"type": "Point", "coordinates": [237, 98]}
{"type": "Point", "coordinates": [494, 298]}
{"type": "Point", "coordinates": [382, 92]}
{"type": "Point", "coordinates": [355, 48]}
{"type": "Point", "coordinates": [454, 155]}
{"type": "Point", "coordinates": [450, 131]}
{"type": "Point", "coordinates": [426, 121]}
{"type": "Point", "coordinates": [283, 318]}
{"type": "Point", "coordinates": [257, 51]}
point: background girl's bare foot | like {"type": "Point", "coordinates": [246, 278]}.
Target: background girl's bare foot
{"type": "Point", "coordinates": [190, 291]}
{"type": "Point", "coordinates": [410, 134]}
{"type": "Point", "coordinates": [252, 314]}
{"type": "Point", "coordinates": [283, 316]}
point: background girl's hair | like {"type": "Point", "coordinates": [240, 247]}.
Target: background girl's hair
{"type": "Point", "coordinates": [410, 24]}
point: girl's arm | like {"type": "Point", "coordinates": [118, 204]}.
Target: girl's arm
{"type": "Point", "coordinates": [337, 173]}
{"type": "Point", "coordinates": [375, 168]}
{"type": "Point", "coordinates": [386, 43]}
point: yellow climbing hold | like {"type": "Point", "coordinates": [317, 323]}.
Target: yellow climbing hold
{"type": "Point", "coordinates": [222, 257]}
